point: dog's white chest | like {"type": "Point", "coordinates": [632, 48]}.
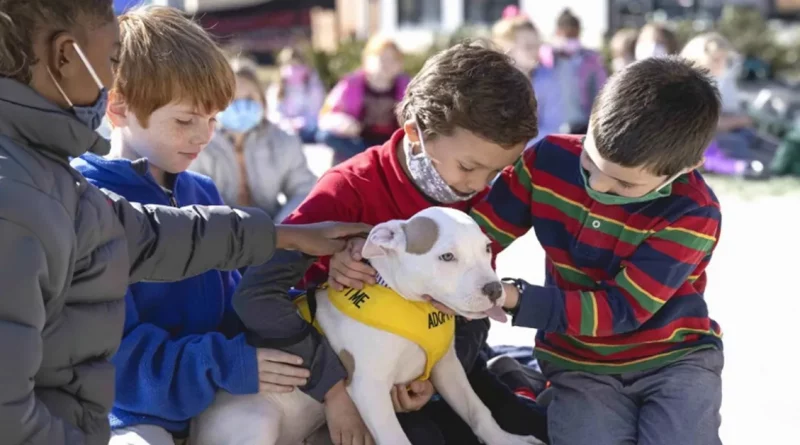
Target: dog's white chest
{"type": "Point", "coordinates": [388, 357]}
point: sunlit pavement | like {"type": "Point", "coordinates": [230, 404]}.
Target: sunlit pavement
{"type": "Point", "coordinates": [751, 293]}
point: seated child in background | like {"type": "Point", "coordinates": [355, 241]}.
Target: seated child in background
{"type": "Point", "coordinates": [737, 148]}
{"type": "Point", "coordinates": [655, 40]}
{"type": "Point", "coordinates": [182, 341]}
{"type": "Point", "coordinates": [628, 227]}
{"type": "Point", "coordinates": [295, 100]}
{"type": "Point", "coordinates": [518, 37]}
{"type": "Point", "coordinates": [623, 48]}
{"type": "Point", "coordinates": [581, 71]}
{"type": "Point", "coordinates": [460, 127]}
{"type": "Point", "coordinates": [253, 161]}
{"type": "Point", "coordinates": [359, 111]}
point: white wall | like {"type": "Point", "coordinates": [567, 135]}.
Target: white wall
{"type": "Point", "coordinates": [593, 15]}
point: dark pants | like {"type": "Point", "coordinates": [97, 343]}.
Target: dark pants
{"type": "Point", "coordinates": [678, 403]}
{"type": "Point", "coordinates": [308, 134]}
{"type": "Point", "coordinates": [438, 424]}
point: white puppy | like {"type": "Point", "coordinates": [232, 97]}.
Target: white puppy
{"type": "Point", "coordinates": [439, 252]}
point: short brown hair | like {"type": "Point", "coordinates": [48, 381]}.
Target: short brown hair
{"type": "Point", "coordinates": [568, 23]}
{"type": "Point", "coordinates": [165, 58]}
{"type": "Point", "coordinates": [623, 44]}
{"type": "Point", "coordinates": [660, 34]}
{"type": "Point", "coordinates": [505, 30]}
{"type": "Point", "coordinates": [660, 113]}
{"type": "Point", "coordinates": [22, 20]}
{"type": "Point", "coordinates": [474, 87]}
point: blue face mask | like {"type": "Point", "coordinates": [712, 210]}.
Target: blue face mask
{"type": "Point", "coordinates": [90, 115]}
{"type": "Point", "coordinates": [241, 116]}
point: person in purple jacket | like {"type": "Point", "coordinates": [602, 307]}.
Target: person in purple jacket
{"type": "Point", "coordinates": [359, 112]}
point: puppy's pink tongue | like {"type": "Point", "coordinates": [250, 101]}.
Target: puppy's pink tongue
{"type": "Point", "coordinates": [497, 313]}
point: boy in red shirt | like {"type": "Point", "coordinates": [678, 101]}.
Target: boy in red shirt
{"type": "Point", "coordinates": [461, 125]}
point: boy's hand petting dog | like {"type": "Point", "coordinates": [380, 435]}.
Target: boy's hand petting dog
{"type": "Point", "coordinates": [344, 422]}
{"type": "Point", "coordinates": [346, 268]}
{"type": "Point", "coordinates": [280, 371]}
{"type": "Point", "coordinates": [412, 397]}
{"type": "Point", "coordinates": [319, 239]}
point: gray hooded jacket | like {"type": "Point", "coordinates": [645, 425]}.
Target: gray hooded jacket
{"type": "Point", "coordinates": [68, 252]}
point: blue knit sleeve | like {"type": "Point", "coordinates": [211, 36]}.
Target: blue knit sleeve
{"type": "Point", "coordinates": [176, 379]}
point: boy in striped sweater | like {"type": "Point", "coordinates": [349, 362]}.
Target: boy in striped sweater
{"type": "Point", "coordinates": [628, 227]}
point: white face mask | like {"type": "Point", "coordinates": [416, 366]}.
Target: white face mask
{"type": "Point", "coordinates": [426, 177]}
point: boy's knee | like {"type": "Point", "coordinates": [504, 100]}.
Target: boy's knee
{"type": "Point", "coordinates": [684, 403]}
{"type": "Point", "coordinates": [589, 409]}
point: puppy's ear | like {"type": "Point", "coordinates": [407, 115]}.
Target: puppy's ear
{"type": "Point", "coordinates": [384, 238]}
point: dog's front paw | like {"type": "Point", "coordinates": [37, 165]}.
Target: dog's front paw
{"type": "Point", "coordinates": [511, 439]}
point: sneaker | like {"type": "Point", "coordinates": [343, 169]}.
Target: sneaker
{"type": "Point", "coordinates": [523, 380]}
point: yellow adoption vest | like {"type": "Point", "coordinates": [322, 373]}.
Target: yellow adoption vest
{"type": "Point", "coordinates": [384, 309]}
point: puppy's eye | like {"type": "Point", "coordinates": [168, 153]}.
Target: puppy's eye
{"type": "Point", "coordinates": [447, 257]}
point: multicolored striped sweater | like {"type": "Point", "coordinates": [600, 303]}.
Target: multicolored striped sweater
{"type": "Point", "coordinates": [624, 284]}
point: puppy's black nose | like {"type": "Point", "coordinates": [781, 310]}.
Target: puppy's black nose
{"type": "Point", "coordinates": [493, 290]}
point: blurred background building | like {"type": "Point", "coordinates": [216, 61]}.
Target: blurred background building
{"type": "Point", "coordinates": [264, 24]}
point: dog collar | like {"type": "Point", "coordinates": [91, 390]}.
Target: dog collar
{"type": "Point", "coordinates": [380, 281]}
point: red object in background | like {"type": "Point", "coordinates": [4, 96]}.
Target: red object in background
{"type": "Point", "coordinates": [259, 32]}
{"type": "Point", "coordinates": [228, 24]}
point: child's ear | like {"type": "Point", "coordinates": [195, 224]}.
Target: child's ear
{"type": "Point", "coordinates": [411, 129]}
{"type": "Point", "coordinates": [117, 110]}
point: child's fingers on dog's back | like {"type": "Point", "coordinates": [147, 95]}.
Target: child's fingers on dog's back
{"type": "Point", "coordinates": [356, 246]}
{"type": "Point", "coordinates": [334, 284]}
{"type": "Point", "coordinates": [281, 379]}
{"type": "Point", "coordinates": [358, 266]}
{"type": "Point", "coordinates": [269, 387]}
{"type": "Point", "coordinates": [276, 355]}
{"type": "Point", "coordinates": [343, 276]}
{"type": "Point", "coordinates": [284, 369]}
{"type": "Point", "coordinates": [360, 271]}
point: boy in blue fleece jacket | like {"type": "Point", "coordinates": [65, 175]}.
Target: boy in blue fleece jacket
{"type": "Point", "coordinates": [182, 341]}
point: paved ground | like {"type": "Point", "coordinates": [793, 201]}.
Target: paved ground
{"type": "Point", "coordinates": [749, 293]}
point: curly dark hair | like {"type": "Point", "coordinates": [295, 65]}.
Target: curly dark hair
{"type": "Point", "coordinates": [474, 87]}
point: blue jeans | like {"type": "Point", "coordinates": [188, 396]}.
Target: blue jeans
{"type": "Point", "coordinates": [678, 403]}
{"type": "Point", "coordinates": [343, 148]}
